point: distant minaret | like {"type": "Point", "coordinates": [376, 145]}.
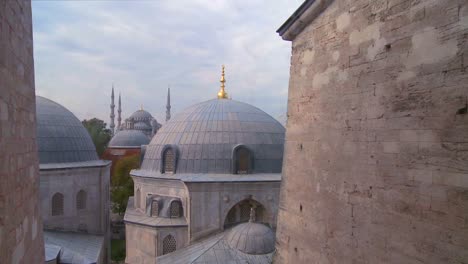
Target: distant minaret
{"type": "Point", "coordinates": [112, 116]}
{"type": "Point", "coordinates": [168, 104]}
{"type": "Point", "coordinates": [119, 115]}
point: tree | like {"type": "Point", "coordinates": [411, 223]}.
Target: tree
{"type": "Point", "coordinates": [122, 183]}
{"type": "Point", "coordinates": [99, 133]}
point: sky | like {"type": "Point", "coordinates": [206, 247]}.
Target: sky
{"type": "Point", "coordinates": [82, 48]}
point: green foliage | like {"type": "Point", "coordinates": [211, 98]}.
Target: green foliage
{"type": "Point", "coordinates": [117, 250]}
{"type": "Point", "coordinates": [122, 183]}
{"type": "Point", "coordinates": [99, 133]}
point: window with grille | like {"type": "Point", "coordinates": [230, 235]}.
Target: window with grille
{"type": "Point", "coordinates": [176, 209]}
{"type": "Point", "coordinates": [169, 244]}
{"type": "Point", "coordinates": [81, 200]}
{"type": "Point", "coordinates": [169, 161]}
{"type": "Point", "coordinates": [245, 212]}
{"type": "Point", "coordinates": [57, 204]}
{"type": "Point", "coordinates": [243, 160]}
{"type": "Point", "coordinates": [154, 208]}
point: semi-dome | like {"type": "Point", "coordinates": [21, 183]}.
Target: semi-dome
{"type": "Point", "coordinates": [251, 238]}
{"type": "Point", "coordinates": [141, 115]}
{"type": "Point", "coordinates": [60, 135]}
{"type": "Point", "coordinates": [205, 135]}
{"type": "Point", "coordinates": [129, 138]}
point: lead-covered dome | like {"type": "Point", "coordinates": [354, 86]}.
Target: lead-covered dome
{"type": "Point", "coordinates": [60, 135]}
{"type": "Point", "coordinates": [129, 138]}
{"type": "Point", "coordinates": [206, 134]}
{"type": "Point", "coordinates": [252, 238]}
{"type": "Point", "coordinates": [141, 115]}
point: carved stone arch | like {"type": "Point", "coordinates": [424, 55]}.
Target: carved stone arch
{"type": "Point", "coordinates": [169, 158]}
{"type": "Point", "coordinates": [154, 204]}
{"type": "Point", "coordinates": [242, 160]}
{"type": "Point", "coordinates": [240, 212]}
{"type": "Point", "coordinates": [176, 209]}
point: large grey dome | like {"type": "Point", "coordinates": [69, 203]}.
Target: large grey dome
{"type": "Point", "coordinates": [141, 115]}
{"type": "Point", "coordinates": [205, 135]}
{"type": "Point", "coordinates": [129, 138]}
{"type": "Point", "coordinates": [252, 238]}
{"type": "Point", "coordinates": [60, 135]}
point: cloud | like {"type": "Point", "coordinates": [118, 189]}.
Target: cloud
{"type": "Point", "coordinates": [82, 47]}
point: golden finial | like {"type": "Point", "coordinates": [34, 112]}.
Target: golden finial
{"type": "Point", "coordinates": [222, 94]}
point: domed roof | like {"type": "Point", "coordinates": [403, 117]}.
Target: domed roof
{"type": "Point", "coordinates": [141, 115]}
{"type": "Point", "coordinates": [205, 135]}
{"type": "Point", "coordinates": [141, 126]}
{"type": "Point", "coordinates": [252, 238]}
{"type": "Point", "coordinates": [60, 135]}
{"type": "Point", "coordinates": [129, 138]}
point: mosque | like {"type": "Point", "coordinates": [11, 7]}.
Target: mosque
{"type": "Point", "coordinates": [136, 131]}
{"type": "Point", "coordinates": [74, 188]}
{"type": "Point", "coordinates": [208, 184]}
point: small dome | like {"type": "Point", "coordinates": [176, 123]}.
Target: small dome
{"type": "Point", "coordinates": [206, 133]}
{"type": "Point", "coordinates": [141, 115]}
{"type": "Point", "coordinates": [141, 126]}
{"type": "Point", "coordinates": [129, 138]}
{"type": "Point", "coordinates": [60, 135]}
{"type": "Point", "coordinates": [252, 238]}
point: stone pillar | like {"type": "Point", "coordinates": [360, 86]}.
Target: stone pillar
{"type": "Point", "coordinates": [21, 239]}
{"type": "Point", "coordinates": [376, 153]}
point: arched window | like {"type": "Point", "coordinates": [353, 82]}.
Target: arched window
{"type": "Point", "coordinates": [137, 199]}
{"type": "Point", "coordinates": [243, 160]}
{"type": "Point", "coordinates": [240, 213]}
{"type": "Point", "coordinates": [169, 244]}
{"type": "Point", "coordinates": [81, 200]}
{"type": "Point", "coordinates": [168, 160]}
{"type": "Point", "coordinates": [57, 204]}
{"type": "Point", "coordinates": [176, 209]}
{"type": "Point", "coordinates": [154, 208]}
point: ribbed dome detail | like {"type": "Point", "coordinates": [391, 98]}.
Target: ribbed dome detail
{"type": "Point", "coordinates": [205, 135]}
{"type": "Point", "coordinates": [252, 238]}
{"type": "Point", "coordinates": [61, 137]}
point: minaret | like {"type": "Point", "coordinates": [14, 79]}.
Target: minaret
{"type": "Point", "coordinates": [222, 93]}
{"type": "Point", "coordinates": [112, 116]}
{"type": "Point", "coordinates": [119, 115]}
{"type": "Point", "coordinates": [168, 104]}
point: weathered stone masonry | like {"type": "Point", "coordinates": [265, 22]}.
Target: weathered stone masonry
{"type": "Point", "coordinates": [20, 220]}
{"type": "Point", "coordinates": [376, 154]}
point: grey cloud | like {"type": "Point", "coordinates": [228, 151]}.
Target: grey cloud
{"type": "Point", "coordinates": [144, 46]}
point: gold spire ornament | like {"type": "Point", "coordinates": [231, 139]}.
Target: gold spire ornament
{"type": "Point", "coordinates": [222, 93]}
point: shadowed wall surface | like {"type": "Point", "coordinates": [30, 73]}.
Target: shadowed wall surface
{"type": "Point", "coordinates": [376, 161]}
{"type": "Point", "coordinates": [21, 239]}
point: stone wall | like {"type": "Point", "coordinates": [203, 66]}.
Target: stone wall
{"type": "Point", "coordinates": [21, 239]}
{"type": "Point", "coordinates": [210, 204]}
{"type": "Point", "coordinates": [94, 218]}
{"type": "Point", "coordinates": [376, 154]}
